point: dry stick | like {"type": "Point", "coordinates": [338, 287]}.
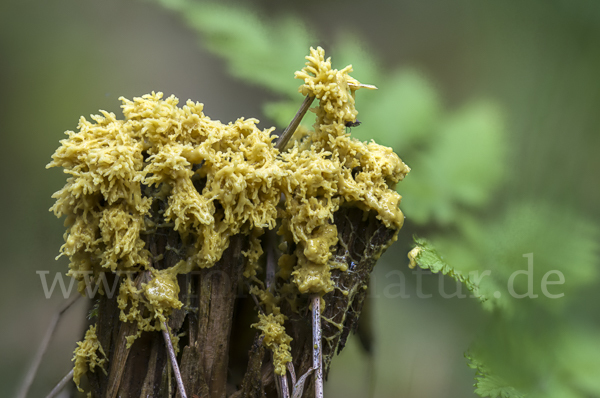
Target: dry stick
{"type": "Point", "coordinates": [278, 385]}
{"type": "Point", "coordinates": [317, 351]}
{"type": "Point", "coordinates": [284, 386]}
{"type": "Point", "coordinates": [284, 138]}
{"type": "Point", "coordinates": [169, 381]}
{"type": "Point", "coordinates": [61, 384]}
{"type": "Point", "coordinates": [43, 347]}
{"type": "Point", "coordinates": [257, 303]}
{"type": "Point", "coordinates": [173, 359]}
{"type": "Point", "coordinates": [290, 367]}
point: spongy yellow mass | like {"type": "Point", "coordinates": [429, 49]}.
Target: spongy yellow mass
{"type": "Point", "coordinates": [330, 169]}
{"type": "Point", "coordinates": [87, 356]}
{"type": "Point", "coordinates": [217, 180]}
{"type": "Point", "coordinates": [275, 338]}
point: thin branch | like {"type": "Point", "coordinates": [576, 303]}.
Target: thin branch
{"type": "Point", "coordinates": [173, 359]}
{"type": "Point", "coordinates": [61, 384]}
{"type": "Point", "coordinates": [290, 367]}
{"type": "Point", "coordinates": [299, 385]}
{"type": "Point", "coordinates": [285, 390]}
{"type": "Point", "coordinates": [43, 347]}
{"type": "Point", "coordinates": [284, 138]}
{"type": "Point", "coordinates": [169, 387]}
{"type": "Point", "coordinates": [317, 350]}
{"type": "Point", "coordinates": [256, 301]}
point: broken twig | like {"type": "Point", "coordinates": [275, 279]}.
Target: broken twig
{"type": "Point", "coordinates": [284, 138]}
{"type": "Point", "coordinates": [61, 384]}
{"type": "Point", "coordinates": [43, 347]}
{"type": "Point", "coordinates": [173, 359]}
{"type": "Point", "coordinates": [285, 390]}
{"type": "Point", "coordinates": [317, 351]}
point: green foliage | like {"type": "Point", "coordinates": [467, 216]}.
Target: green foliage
{"type": "Point", "coordinates": [426, 257]}
{"type": "Point", "coordinates": [415, 107]}
{"type": "Point", "coordinates": [526, 340]}
{"type": "Point", "coordinates": [462, 166]}
{"type": "Point", "coordinates": [262, 52]}
{"type": "Point", "coordinates": [579, 365]}
{"type": "Point", "coordinates": [561, 241]}
{"type": "Point", "coordinates": [489, 385]}
{"type": "Point", "coordinates": [546, 358]}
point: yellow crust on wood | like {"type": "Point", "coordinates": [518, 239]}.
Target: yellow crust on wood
{"type": "Point", "coordinates": [275, 339]}
{"type": "Point", "coordinates": [86, 356]}
{"type": "Point", "coordinates": [217, 180]}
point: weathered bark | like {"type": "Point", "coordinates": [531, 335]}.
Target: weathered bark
{"type": "Point", "coordinates": [218, 287]}
{"type": "Point", "coordinates": [252, 385]}
{"type": "Point", "coordinates": [206, 320]}
{"type": "Point", "coordinates": [361, 242]}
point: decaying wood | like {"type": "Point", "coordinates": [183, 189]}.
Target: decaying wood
{"type": "Point", "coordinates": [217, 293]}
{"type": "Point", "coordinates": [361, 242]}
{"type": "Point", "coordinates": [205, 322]}
{"type": "Point", "coordinates": [252, 384]}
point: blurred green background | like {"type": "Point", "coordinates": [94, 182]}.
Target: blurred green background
{"type": "Point", "coordinates": [493, 105]}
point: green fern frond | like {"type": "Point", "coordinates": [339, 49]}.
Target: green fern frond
{"type": "Point", "coordinates": [488, 384]}
{"type": "Point", "coordinates": [426, 256]}
{"type": "Point", "coordinates": [462, 167]}
{"type": "Point", "coordinates": [258, 51]}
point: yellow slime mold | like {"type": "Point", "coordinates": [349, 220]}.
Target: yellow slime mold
{"type": "Point", "coordinates": [214, 181]}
